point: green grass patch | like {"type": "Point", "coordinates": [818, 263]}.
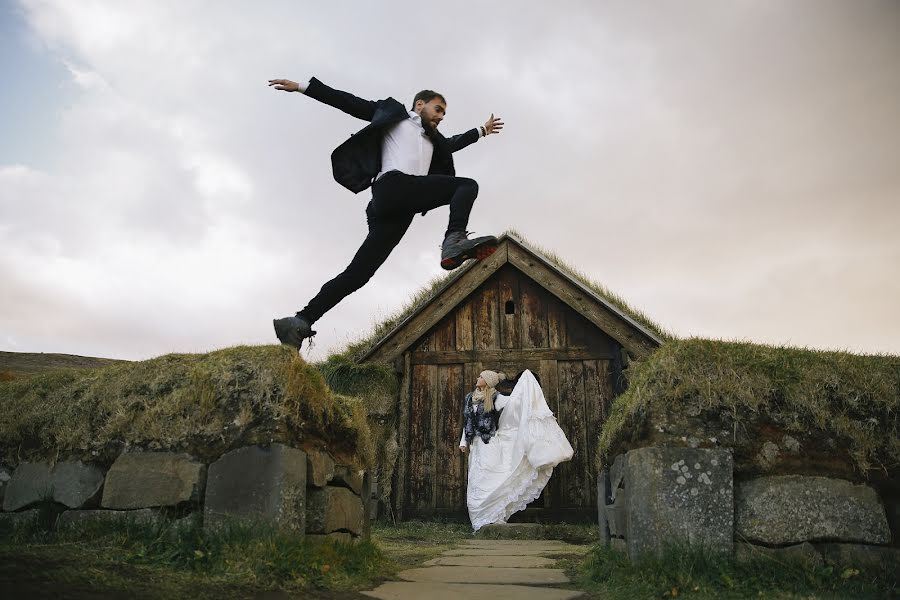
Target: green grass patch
{"type": "Point", "coordinates": [586, 533]}
{"type": "Point", "coordinates": [369, 381]}
{"type": "Point", "coordinates": [14, 365]}
{"type": "Point", "coordinates": [411, 543]}
{"type": "Point", "coordinates": [204, 404]}
{"type": "Point", "coordinates": [233, 559]}
{"type": "Point", "coordinates": [851, 398]}
{"type": "Point", "coordinates": [697, 574]}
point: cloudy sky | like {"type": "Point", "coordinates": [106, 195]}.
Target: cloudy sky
{"type": "Point", "coordinates": [731, 168]}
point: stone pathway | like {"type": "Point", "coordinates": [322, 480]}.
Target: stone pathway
{"type": "Point", "coordinates": [486, 569]}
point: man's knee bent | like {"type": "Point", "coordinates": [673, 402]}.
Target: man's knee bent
{"type": "Point", "coordinates": [471, 186]}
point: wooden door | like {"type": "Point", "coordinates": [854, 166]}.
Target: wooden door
{"type": "Point", "coordinates": [436, 478]}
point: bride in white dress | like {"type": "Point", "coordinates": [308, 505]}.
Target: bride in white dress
{"type": "Point", "coordinates": [513, 444]}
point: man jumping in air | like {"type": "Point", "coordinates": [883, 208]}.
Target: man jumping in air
{"type": "Point", "coordinates": [409, 166]}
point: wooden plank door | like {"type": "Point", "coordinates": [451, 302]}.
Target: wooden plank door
{"type": "Point", "coordinates": [436, 471]}
{"type": "Point", "coordinates": [583, 390]}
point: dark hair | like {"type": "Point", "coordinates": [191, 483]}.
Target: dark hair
{"type": "Point", "coordinates": [427, 96]}
{"type": "Point", "coordinates": [506, 387]}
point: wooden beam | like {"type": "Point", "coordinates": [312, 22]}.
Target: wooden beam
{"type": "Point", "coordinates": [550, 385]}
{"type": "Point", "coordinates": [489, 357]}
{"type": "Point", "coordinates": [612, 323]}
{"type": "Point", "coordinates": [404, 402]}
{"type": "Point", "coordinates": [419, 323]}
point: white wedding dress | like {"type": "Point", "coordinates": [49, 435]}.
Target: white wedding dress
{"type": "Point", "coordinates": [512, 470]}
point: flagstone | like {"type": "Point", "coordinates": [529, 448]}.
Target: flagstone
{"type": "Point", "coordinates": [524, 576]}
{"type": "Point", "coordinates": [491, 561]}
{"type": "Point", "coordinates": [401, 590]}
{"type": "Point", "coordinates": [514, 551]}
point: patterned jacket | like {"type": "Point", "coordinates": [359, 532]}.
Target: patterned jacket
{"type": "Point", "coordinates": [478, 423]}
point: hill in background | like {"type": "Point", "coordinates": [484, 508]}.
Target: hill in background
{"type": "Point", "coordinates": [19, 364]}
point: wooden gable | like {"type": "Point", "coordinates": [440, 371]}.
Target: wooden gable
{"type": "Point", "coordinates": [636, 339]}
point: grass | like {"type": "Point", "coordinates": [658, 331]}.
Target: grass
{"type": "Point", "coordinates": [165, 560]}
{"type": "Point", "coordinates": [607, 573]}
{"type": "Point", "coordinates": [14, 365]}
{"type": "Point", "coordinates": [852, 398]}
{"type": "Point", "coordinates": [411, 543]}
{"type": "Point", "coordinates": [616, 300]}
{"type": "Point", "coordinates": [586, 533]}
{"type": "Point", "coordinates": [204, 404]}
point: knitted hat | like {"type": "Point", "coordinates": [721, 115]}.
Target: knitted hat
{"type": "Point", "coordinates": [492, 378]}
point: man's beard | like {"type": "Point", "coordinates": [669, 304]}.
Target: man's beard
{"type": "Point", "coordinates": [430, 129]}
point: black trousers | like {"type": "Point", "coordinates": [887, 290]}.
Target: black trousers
{"type": "Point", "coordinates": [396, 198]}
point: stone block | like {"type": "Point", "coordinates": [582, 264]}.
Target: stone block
{"type": "Point", "coordinates": [151, 479]}
{"type": "Point", "coordinates": [861, 556]}
{"type": "Point", "coordinates": [804, 553]}
{"type": "Point", "coordinates": [334, 509]}
{"type": "Point", "coordinates": [30, 484]}
{"type": "Point", "coordinates": [70, 483]}
{"type": "Point", "coordinates": [76, 485]}
{"type": "Point", "coordinates": [17, 519]}
{"type": "Point", "coordinates": [348, 477]}
{"type": "Point", "coordinates": [789, 509]}
{"type": "Point", "coordinates": [5, 476]}
{"type": "Point", "coordinates": [617, 515]}
{"type": "Point", "coordinates": [75, 518]}
{"type": "Point", "coordinates": [892, 508]}
{"type": "Point", "coordinates": [616, 475]}
{"type": "Point", "coordinates": [319, 468]}
{"type": "Point", "coordinates": [679, 496]}
{"type": "Point", "coordinates": [258, 484]}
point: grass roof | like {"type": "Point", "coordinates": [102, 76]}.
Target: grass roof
{"type": "Point", "coordinates": [356, 350]}
{"type": "Point", "coordinates": [852, 398]}
{"type": "Point", "coordinates": [204, 404]}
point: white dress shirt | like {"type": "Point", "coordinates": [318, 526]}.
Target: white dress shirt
{"type": "Point", "coordinates": [405, 146]}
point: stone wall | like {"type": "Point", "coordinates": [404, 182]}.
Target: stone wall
{"type": "Point", "coordinates": [655, 497]}
{"type": "Point", "coordinates": [301, 491]}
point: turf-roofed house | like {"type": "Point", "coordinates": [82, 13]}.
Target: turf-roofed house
{"type": "Point", "coordinates": [734, 447]}
{"type": "Point", "coordinates": [519, 309]}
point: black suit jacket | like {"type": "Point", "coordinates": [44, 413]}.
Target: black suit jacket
{"type": "Point", "coordinates": [357, 161]}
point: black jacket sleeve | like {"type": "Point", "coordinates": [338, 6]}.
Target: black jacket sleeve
{"type": "Point", "coordinates": [350, 104]}
{"type": "Point", "coordinates": [458, 142]}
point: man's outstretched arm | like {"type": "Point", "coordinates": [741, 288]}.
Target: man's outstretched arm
{"type": "Point", "coordinates": [492, 125]}
{"type": "Point", "coordinates": [350, 104]}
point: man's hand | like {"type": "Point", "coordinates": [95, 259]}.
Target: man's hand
{"type": "Point", "coordinates": [493, 125]}
{"type": "Point", "coordinates": [463, 449]}
{"type": "Point", "coordinates": [285, 84]}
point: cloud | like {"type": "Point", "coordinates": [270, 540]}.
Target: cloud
{"type": "Point", "coordinates": [723, 166]}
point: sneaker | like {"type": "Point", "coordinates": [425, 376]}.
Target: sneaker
{"type": "Point", "coordinates": [293, 330]}
{"type": "Point", "coordinates": [458, 248]}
